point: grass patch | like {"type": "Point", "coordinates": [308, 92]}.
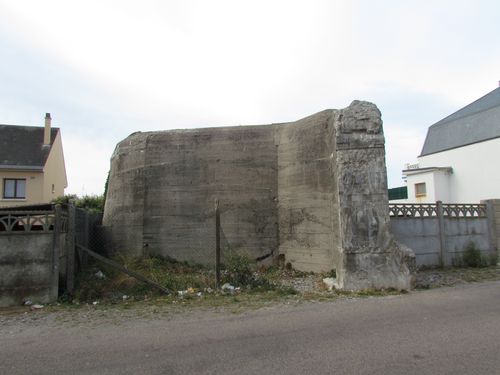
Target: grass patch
{"type": "Point", "coordinates": [102, 282]}
{"type": "Point", "coordinates": [254, 286]}
{"type": "Point", "coordinates": [472, 257]}
{"type": "Point", "coordinates": [187, 282]}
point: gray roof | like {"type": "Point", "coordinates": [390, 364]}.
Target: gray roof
{"type": "Point", "coordinates": [21, 147]}
{"type": "Point", "coordinates": [476, 122]}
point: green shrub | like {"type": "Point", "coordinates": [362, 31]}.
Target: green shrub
{"type": "Point", "coordinates": [332, 273]}
{"type": "Point", "coordinates": [239, 269]}
{"type": "Point", "coordinates": [472, 256]}
{"type": "Point", "coordinates": [494, 258]}
{"type": "Point", "coordinates": [93, 203]}
{"type": "Point", "coordinates": [173, 275]}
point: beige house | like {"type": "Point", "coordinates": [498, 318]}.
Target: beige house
{"type": "Point", "coordinates": [32, 168]}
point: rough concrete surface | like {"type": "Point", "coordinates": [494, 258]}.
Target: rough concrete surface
{"type": "Point", "coordinates": [314, 190]}
{"type": "Point", "coordinates": [27, 268]}
{"type": "Point", "coordinates": [423, 236]}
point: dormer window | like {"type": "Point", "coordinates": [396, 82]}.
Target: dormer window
{"type": "Point", "coordinates": [14, 188]}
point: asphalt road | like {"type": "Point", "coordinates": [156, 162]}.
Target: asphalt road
{"type": "Point", "coordinates": [443, 331]}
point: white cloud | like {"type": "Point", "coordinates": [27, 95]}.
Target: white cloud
{"type": "Point", "coordinates": [87, 164]}
{"type": "Point", "coordinates": [122, 66]}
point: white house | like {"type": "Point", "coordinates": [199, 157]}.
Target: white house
{"type": "Point", "coordinates": [458, 162]}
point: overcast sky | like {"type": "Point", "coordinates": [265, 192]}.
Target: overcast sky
{"type": "Point", "coordinates": [105, 69]}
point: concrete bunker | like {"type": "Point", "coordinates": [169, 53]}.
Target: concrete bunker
{"type": "Point", "coordinates": [314, 190]}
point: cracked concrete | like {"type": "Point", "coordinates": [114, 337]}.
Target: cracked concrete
{"type": "Point", "coordinates": [314, 190]}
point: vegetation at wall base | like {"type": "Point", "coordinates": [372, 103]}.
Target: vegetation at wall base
{"type": "Point", "coordinates": [472, 256]}
{"type": "Point", "coordinates": [238, 271]}
{"type": "Point", "coordinates": [254, 285]}
{"type": "Point", "coordinates": [94, 203]}
{"type": "Point", "coordinates": [104, 283]}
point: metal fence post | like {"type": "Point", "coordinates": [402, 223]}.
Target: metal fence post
{"type": "Point", "coordinates": [217, 244]}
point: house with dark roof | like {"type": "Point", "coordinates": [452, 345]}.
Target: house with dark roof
{"type": "Point", "coordinates": [32, 168]}
{"type": "Point", "coordinates": [459, 156]}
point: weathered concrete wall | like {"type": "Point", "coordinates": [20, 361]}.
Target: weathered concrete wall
{"type": "Point", "coordinates": [125, 196]}
{"type": "Point", "coordinates": [163, 187]}
{"type": "Point", "coordinates": [308, 223]}
{"type": "Point", "coordinates": [495, 208]}
{"type": "Point", "coordinates": [314, 190]}
{"type": "Point", "coordinates": [28, 268]}
{"type": "Point", "coordinates": [423, 235]}
{"type": "Point", "coordinates": [460, 232]}
{"type": "Point", "coordinates": [369, 257]}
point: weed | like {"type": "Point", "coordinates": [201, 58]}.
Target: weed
{"type": "Point", "coordinates": [494, 259]}
{"type": "Point", "coordinates": [472, 256]}
{"type": "Point", "coordinates": [239, 270]}
{"type": "Point", "coordinates": [93, 203]}
{"type": "Point", "coordinates": [115, 284]}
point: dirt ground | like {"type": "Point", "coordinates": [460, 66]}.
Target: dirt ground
{"type": "Point", "coordinates": [309, 287]}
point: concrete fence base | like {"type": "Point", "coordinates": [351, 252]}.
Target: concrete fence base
{"type": "Point", "coordinates": [440, 233]}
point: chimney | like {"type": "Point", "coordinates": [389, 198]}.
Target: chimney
{"type": "Point", "coordinates": [46, 133]}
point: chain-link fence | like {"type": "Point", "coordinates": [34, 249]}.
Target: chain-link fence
{"type": "Point", "coordinates": [196, 245]}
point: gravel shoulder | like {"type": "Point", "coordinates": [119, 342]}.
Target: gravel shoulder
{"type": "Point", "coordinates": [309, 287]}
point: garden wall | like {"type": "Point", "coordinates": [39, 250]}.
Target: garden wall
{"type": "Point", "coordinates": [29, 257]}
{"type": "Point", "coordinates": [439, 233]}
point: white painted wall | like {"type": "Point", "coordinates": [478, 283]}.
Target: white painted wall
{"type": "Point", "coordinates": [428, 179]}
{"type": "Point", "coordinates": [437, 185]}
{"type": "Point", "coordinates": [442, 187]}
{"type": "Point", "coordinates": [476, 173]}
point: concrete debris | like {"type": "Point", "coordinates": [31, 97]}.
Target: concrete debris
{"type": "Point", "coordinates": [36, 307]}
{"type": "Point", "coordinates": [100, 275]}
{"type": "Point", "coordinates": [230, 289]}
{"type": "Point", "coordinates": [329, 282]}
{"type": "Point", "coordinates": [188, 291]}
{"type": "Point", "coordinates": [227, 287]}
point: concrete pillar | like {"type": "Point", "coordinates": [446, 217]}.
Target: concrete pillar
{"type": "Point", "coordinates": [443, 254]}
{"type": "Point", "coordinates": [70, 250]}
{"type": "Point", "coordinates": [55, 252]}
{"type": "Point", "coordinates": [493, 215]}
{"type": "Point", "coordinates": [370, 257]}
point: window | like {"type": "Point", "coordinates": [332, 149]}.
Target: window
{"type": "Point", "coordinates": [14, 188]}
{"type": "Point", "coordinates": [420, 190]}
